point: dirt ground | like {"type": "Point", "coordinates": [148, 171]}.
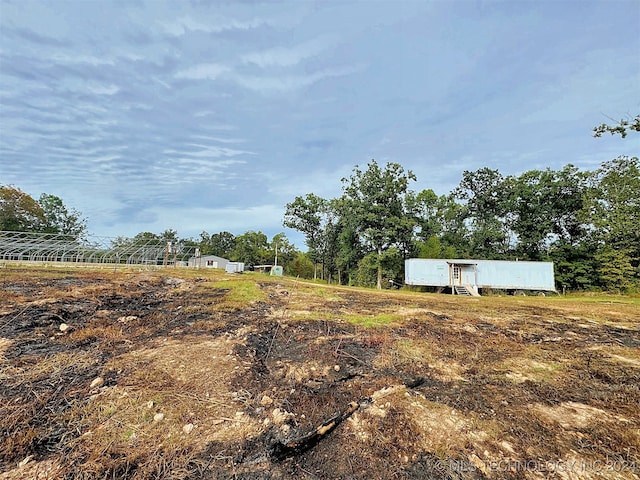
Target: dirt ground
{"type": "Point", "coordinates": [182, 374]}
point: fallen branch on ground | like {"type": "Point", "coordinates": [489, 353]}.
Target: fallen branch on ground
{"type": "Point", "coordinates": [281, 450]}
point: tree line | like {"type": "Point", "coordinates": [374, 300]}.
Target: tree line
{"type": "Point", "coordinates": [586, 222]}
{"type": "Point", "coordinates": [48, 214]}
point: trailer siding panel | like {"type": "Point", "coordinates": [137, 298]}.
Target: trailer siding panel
{"type": "Point", "coordinates": [434, 273]}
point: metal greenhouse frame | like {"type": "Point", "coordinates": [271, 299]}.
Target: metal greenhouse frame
{"type": "Point", "coordinates": [50, 247]}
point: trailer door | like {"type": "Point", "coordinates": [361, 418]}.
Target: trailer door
{"type": "Point", "coordinates": [454, 274]}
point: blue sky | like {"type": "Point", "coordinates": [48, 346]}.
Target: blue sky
{"type": "Point", "coordinates": [150, 115]}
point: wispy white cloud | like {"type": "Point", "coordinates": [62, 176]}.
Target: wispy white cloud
{"type": "Point", "coordinates": [186, 24]}
{"type": "Point", "coordinates": [139, 106]}
{"type": "Point", "coordinates": [262, 83]}
{"type": "Point", "coordinates": [264, 217]}
{"type": "Point", "coordinates": [206, 151]}
{"type": "Point", "coordinates": [286, 83]}
{"type": "Point", "coordinates": [218, 139]}
{"type": "Point", "coordinates": [103, 89]}
{"type": "Point", "coordinates": [191, 170]}
{"type": "Point", "coordinates": [219, 127]}
{"type": "Point", "coordinates": [208, 71]}
{"type": "Point", "coordinates": [290, 96]}
{"type": "Point", "coordinates": [64, 58]}
{"type": "Point", "coordinates": [288, 56]}
{"type": "Point", "coordinates": [161, 82]}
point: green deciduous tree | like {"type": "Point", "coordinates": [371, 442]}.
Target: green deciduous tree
{"type": "Point", "coordinates": [220, 244]}
{"type": "Point", "coordinates": [140, 239]}
{"type": "Point", "coordinates": [575, 266]}
{"type": "Point", "coordinates": [252, 248]}
{"type": "Point", "coordinates": [433, 247]}
{"type": "Point", "coordinates": [390, 263]}
{"type": "Point", "coordinates": [425, 207]}
{"type": "Point", "coordinates": [301, 266]}
{"type": "Point", "coordinates": [613, 209]}
{"type": "Point", "coordinates": [60, 219]}
{"type": "Point", "coordinates": [441, 232]}
{"type": "Point", "coordinates": [613, 203]}
{"type": "Point", "coordinates": [543, 207]}
{"type": "Point", "coordinates": [622, 128]}
{"type": "Point", "coordinates": [346, 243]}
{"type": "Point", "coordinates": [169, 235]}
{"type": "Point", "coordinates": [615, 272]}
{"type": "Point", "coordinates": [378, 199]}
{"type": "Point", "coordinates": [19, 212]}
{"type": "Point", "coordinates": [314, 217]}
{"type": "Point", "coordinates": [484, 193]}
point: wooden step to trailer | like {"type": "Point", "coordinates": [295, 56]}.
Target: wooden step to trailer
{"type": "Point", "coordinates": [466, 290]}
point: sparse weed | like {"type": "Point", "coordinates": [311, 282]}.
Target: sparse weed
{"type": "Point", "coordinates": [240, 294]}
{"type": "Point", "coordinates": [371, 321]}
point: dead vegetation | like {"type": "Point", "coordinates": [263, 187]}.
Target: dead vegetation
{"type": "Point", "coordinates": [182, 374]}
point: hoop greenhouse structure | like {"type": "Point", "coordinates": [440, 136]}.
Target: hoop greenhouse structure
{"type": "Point", "coordinates": [49, 247]}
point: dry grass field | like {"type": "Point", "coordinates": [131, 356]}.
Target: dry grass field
{"type": "Point", "coordinates": [183, 374]}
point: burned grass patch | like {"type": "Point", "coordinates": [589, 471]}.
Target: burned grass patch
{"type": "Point", "coordinates": [207, 375]}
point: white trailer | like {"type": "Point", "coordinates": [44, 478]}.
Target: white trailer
{"type": "Point", "coordinates": [469, 276]}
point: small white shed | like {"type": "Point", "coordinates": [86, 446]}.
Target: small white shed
{"type": "Point", "coordinates": [234, 267]}
{"type": "Point", "coordinates": [208, 261]}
